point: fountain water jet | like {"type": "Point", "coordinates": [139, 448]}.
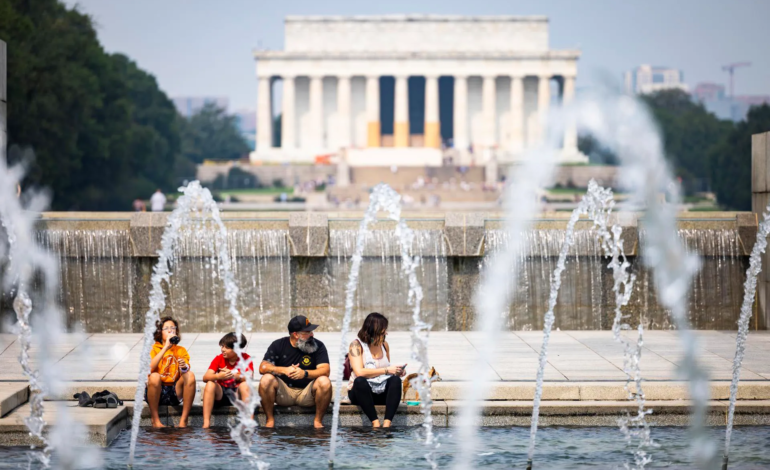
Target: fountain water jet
{"type": "Point", "coordinates": [624, 126]}
{"type": "Point", "coordinates": [596, 203]}
{"type": "Point", "coordinates": [26, 262]}
{"type": "Point", "coordinates": [384, 198]}
{"type": "Point", "coordinates": [196, 204]}
{"type": "Point", "coordinates": [750, 289]}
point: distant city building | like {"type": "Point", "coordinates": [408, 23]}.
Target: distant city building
{"type": "Point", "coordinates": [714, 99]}
{"type": "Point", "coordinates": [648, 79]}
{"type": "Point", "coordinates": [189, 105]}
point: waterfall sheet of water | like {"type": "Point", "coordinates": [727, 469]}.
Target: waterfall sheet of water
{"type": "Point", "coordinates": [191, 217]}
{"type": "Point", "coordinates": [750, 289]}
{"type": "Point", "coordinates": [382, 285]}
{"type": "Point", "coordinates": [25, 262]}
{"type": "Point", "coordinates": [384, 198]}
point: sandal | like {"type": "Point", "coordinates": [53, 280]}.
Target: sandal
{"type": "Point", "coordinates": [84, 399]}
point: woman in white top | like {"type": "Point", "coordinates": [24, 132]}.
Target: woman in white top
{"type": "Point", "coordinates": [373, 381]}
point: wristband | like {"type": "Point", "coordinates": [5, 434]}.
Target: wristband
{"type": "Point", "coordinates": [185, 370]}
{"type": "Point", "coordinates": [305, 374]}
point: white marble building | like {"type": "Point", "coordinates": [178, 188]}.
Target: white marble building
{"type": "Point", "coordinates": [479, 85]}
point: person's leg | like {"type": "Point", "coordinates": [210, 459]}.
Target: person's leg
{"type": "Point", "coordinates": [392, 399]}
{"type": "Point", "coordinates": [244, 392]}
{"type": "Point", "coordinates": [322, 393]}
{"type": "Point", "coordinates": [268, 385]}
{"type": "Point", "coordinates": [185, 388]}
{"type": "Point", "coordinates": [365, 399]}
{"type": "Point", "coordinates": [212, 393]}
{"type": "Point", "coordinates": [154, 385]}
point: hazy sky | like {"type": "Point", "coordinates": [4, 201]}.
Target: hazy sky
{"type": "Point", "coordinates": [202, 47]}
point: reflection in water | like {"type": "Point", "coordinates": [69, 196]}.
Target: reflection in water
{"type": "Point", "coordinates": [400, 448]}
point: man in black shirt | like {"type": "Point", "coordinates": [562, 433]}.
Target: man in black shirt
{"type": "Point", "coordinates": [295, 372]}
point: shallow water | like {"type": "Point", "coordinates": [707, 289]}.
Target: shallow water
{"type": "Point", "coordinates": [558, 447]}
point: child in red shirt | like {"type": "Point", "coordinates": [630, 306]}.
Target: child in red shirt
{"type": "Point", "coordinates": [225, 380]}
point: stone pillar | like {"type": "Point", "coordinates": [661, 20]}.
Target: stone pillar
{"type": "Point", "coordinates": [316, 112]}
{"type": "Point", "coordinates": [543, 102]}
{"type": "Point", "coordinates": [401, 114]}
{"type": "Point", "coordinates": [464, 235]}
{"type": "Point", "coordinates": [288, 116]}
{"type": "Point", "coordinates": [570, 133]}
{"type": "Point", "coordinates": [373, 111]}
{"type": "Point", "coordinates": [432, 124]}
{"type": "Point", "coordinates": [760, 197]}
{"type": "Point", "coordinates": [517, 114]}
{"type": "Point", "coordinates": [461, 114]}
{"type": "Point", "coordinates": [264, 115]}
{"type": "Point", "coordinates": [343, 111]}
{"type": "Point", "coordinates": [488, 107]}
{"type": "Point", "coordinates": [3, 100]}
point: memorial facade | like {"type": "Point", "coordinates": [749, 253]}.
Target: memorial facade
{"type": "Point", "coordinates": [411, 89]}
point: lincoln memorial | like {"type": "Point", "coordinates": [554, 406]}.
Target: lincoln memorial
{"type": "Point", "coordinates": [411, 90]}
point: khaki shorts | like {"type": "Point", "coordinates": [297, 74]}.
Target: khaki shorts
{"type": "Point", "coordinates": [289, 396]}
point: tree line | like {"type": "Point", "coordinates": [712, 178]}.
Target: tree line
{"type": "Point", "coordinates": [91, 126]}
{"type": "Point", "coordinates": [705, 152]}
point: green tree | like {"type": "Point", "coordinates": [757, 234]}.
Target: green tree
{"type": "Point", "coordinates": [212, 134]}
{"type": "Point", "coordinates": [101, 131]}
{"type": "Point", "coordinates": [731, 160]}
{"type": "Point", "coordinates": [689, 133]}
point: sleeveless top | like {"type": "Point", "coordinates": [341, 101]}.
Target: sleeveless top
{"type": "Point", "coordinates": [377, 383]}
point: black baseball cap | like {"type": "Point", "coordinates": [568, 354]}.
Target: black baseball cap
{"type": "Point", "coordinates": [300, 323]}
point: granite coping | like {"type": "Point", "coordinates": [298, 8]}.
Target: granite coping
{"type": "Point", "coordinates": [102, 425]}
{"type": "Point", "coordinates": [12, 395]}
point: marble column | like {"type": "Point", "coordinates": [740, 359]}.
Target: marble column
{"type": "Point", "coordinates": [543, 103]}
{"type": "Point", "coordinates": [264, 115]}
{"type": "Point", "coordinates": [373, 111]}
{"type": "Point", "coordinates": [489, 111]}
{"type": "Point", "coordinates": [517, 114]}
{"type": "Point", "coordinates": [570, 133]}
{"type": "Point", "coordinates": [343, 111]}
{"type": "Point", "coordinates": [315, 131]}
{"type": "Point", "coordinates": [401, 113]}
{"type": "Point", "coordinates": [288, 114]}
{"type": "Point", "coordinates": [432, 124]}
{"type": "Point", "coordinates": [460, 134]}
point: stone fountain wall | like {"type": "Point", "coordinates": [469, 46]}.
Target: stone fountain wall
{"type": "Point", "coordinates": [296, 263]}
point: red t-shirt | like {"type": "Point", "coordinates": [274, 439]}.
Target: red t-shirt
{"type": "Point", "coordinates": [220, 362]}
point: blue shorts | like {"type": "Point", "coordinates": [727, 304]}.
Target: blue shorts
{"type": "Point", "coordinates": [167, 395]}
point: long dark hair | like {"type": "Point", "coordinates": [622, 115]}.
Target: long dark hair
{"type": "Point", "coordinates": [374, 328]}
{"type": "Point", "coordinates": [159, 329]}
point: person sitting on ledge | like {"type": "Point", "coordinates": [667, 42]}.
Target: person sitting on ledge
{"type": "Point", "coordinates": [373, 381]}
{"type": "Point", "coordinates": [170, 374]}
{"type": "Point", "coordinates": [225, 380]}
{"type": "Point", "coordinates": [296, 373]}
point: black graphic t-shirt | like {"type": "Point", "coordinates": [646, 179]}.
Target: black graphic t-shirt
{"type": "Point", "coordinates": [282, 354]}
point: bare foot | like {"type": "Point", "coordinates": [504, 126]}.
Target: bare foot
{"type": "Point", "coordinates": [270, 423]}
{"type": "Point", "coordinates": [376, 423]}
{"type": "Point", "coordinates": [158, 424]}
{"type": "Point", "coordinates": [206, 426]}
{"type": "Point", "coordinates": [182, 424]}
{"type": "Point", "coordinates": [317, 424]}
{"type": "Point", "coordinates": [386, 423]}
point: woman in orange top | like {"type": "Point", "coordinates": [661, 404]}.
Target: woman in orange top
{"type": "Point", "coordinates": [170, 374]}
